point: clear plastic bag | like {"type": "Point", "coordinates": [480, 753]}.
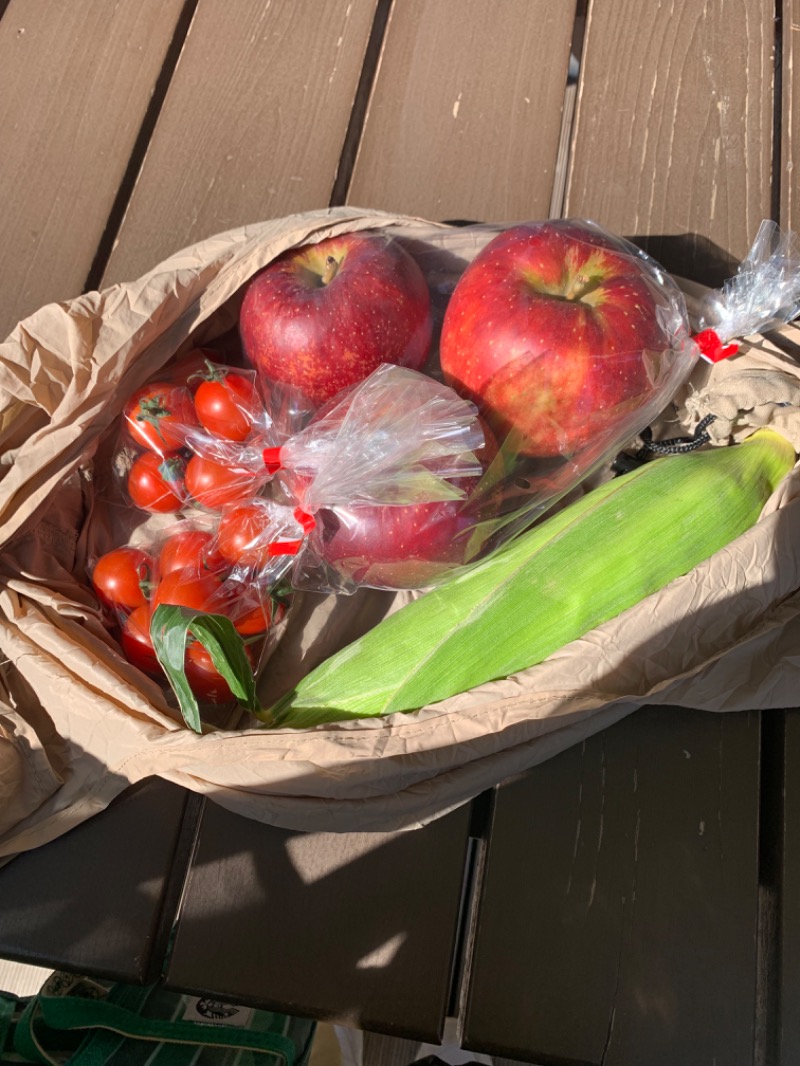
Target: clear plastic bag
{"type": "Point", "coordinates": [765, 291]}
{"type": "Point", "coordinates": [179, 564]}
{"type": "Point", "coordinates": [566, 340]}
{"type": "Point", "coordinates": [194, 440]}
{"type": "Point", "coordinates": [322, 317]}
{"type": "Point", "coordinates": [569, 341]}
{"type": "Point", "coordinates": [557, 344]}
{"type": "Point", "coordinates": [380, 475]}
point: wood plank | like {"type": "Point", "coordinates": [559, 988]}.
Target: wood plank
{"type": "Point", "coordinates": [355, 927]}
{"type": "Point", "coordinates": [465, 114]}
{"type": "Point", "coordinates": [790, 115]}
{"type": "Point", "coordinates": [673, 131]}
{"type": "Point", "coordinates": [618, 916]}
{"type": "Point", "coordinates": [75, 83]}
{"type": "Point", "coordinates": [92, 901]}
{"type": "Point", "coordinates": [252, 126]}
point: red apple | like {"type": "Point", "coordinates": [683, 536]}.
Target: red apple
{"type": "Point", "coordinates": [555, 331]}
{"type": "Point", "coordinates": [387, 545]}
{"type": "Point", "coordinates": [404, 546]}
{"type": "Point", "coordinates": [395, 547]}
{"type": "Point", "coordinates": [324, 316]}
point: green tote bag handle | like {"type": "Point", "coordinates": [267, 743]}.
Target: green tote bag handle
{"type": "Point", "coordinates": [111, 1022]}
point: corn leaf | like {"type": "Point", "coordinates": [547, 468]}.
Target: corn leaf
{"type": "Point", "coordinates": [171, 628]}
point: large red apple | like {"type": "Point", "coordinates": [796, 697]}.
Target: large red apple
{"type": "Point", "coordinates": [324, 316]}
{"type": "Point", "coordinates": [558, 331]}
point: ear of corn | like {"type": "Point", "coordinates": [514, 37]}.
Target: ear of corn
{"type": "Point", "coordinates": [581, 567]}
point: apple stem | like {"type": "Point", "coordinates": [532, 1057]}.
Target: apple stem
{"type": "Point", "coordinates": [582, 285]}
{"type": "Point", "coordinates": [330, 271]}
{"type": "Point", "coordinates": [576, 287]}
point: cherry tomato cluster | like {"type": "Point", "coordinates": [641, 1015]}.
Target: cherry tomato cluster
{"type": "Point", "coordinates": [165, 420]}
{"type": "Point", "coordinates": [186, 571]}
{"type": "Point", "coordinates": [190, 567]}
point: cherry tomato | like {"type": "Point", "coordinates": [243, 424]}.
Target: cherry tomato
{"type": "Point", "coordinates": [245, 534]}
{"type": "Point", "coordinates": [205, 681]}
{"type": "Point", "coordinates": [227, 405]}
{"type": "Point", "coordinates": [156, 414]}
{"type": "Point", "coordinates": [216, 486]}
{"type": "Point", "coordinates": [192, 588]}
{"type": "Point", "coordinates": [137, 644]}
{"type": "Point", "coordinates": [157, 484]}
{"type": "Point", "coordinates": [121, 578]}
{"type": "Point", "coordinates": [190, 548]}
{"type": "Point", "coordinates": [250, 613]}
{"type": "Point", "coordinates": [254, 621]}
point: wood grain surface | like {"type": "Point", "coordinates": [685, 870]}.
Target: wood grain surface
{"type": "Point", "coordinates": [252, 127]}
{"type": "Point", "coordinates": [790, 116]}
{"type": "Point", "coordinates": [91, 901]}
{"type": "Point", "coordinates": [618, 918]}
{"type": "Point", "coordinates": [352, 927]}
{"type": "Point", "coordinates": [75, 82]}
{"type": "Point", "coordinates": [465, 114]}
{"type": "Point", "coordinates": [673, 130]}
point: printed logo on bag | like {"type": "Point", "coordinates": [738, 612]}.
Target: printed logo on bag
{"type": "Point", "coordinates": [214, 1010]}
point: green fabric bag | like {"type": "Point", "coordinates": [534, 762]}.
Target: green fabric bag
{"type": "Point", "coordinates": [80, 1021]}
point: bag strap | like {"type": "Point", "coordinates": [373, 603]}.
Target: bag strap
{"type": "Point", "coordinates": [25, 1042]}
{"type": "Point", "coordinates": [70, 1013]}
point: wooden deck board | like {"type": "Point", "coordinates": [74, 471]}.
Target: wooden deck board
{"type": "Point", "coordinates": [92, 900]}
{"type": "Point", "coordinates": [618, 917]}
{"type": "Point", "coordinates": [465, 114]}
{"type": "Point", "coordinates": [75, 83]}
{"type": "Point", "coordinates": [252, 127]}
{"type": "Point", "coordinates": [354, 927]}
{"type": "Point", "coordinates": [790, 115]}
{"type": "Point", "coordinates": [673, 129]}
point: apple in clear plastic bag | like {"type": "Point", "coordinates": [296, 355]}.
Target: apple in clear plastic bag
{"type": "Point", "coordinates": [323, 316]}
{"type": "Point", "coordinates": [395, 547]}
{"type": "Point", "coordinates": [405, 546]}
{"type": "Point", "coordinates": [558, 332]}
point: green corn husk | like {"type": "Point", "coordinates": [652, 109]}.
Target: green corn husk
{"type": "Point", "coordinates": [583, 566]}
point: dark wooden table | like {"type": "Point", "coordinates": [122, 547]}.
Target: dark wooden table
{"type": "Point", "coordinates": [631, 893]}
{"type": "Point", "coordinates": [632, 901]}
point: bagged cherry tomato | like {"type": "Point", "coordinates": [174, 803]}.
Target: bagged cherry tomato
{"type": "Point", "coordinates": [178, 566]}
{"type": "Point", "coordinates": [374, 491]}
{"type": "Point", "coordinates": [158, 483]}
{"type": "Point", "coordinates": [227, 403]}
{"type": "Point", "coordinates": [158, 415]}
{"type": "Point", "coordinates": [123, 578]}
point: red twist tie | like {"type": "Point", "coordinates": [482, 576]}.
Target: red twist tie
{"type": "Point", "coordinates": [303, 518]}
{"type": "Point", "coordinates": [284, 547]}
{"type": "Point", "coordinates": [711, 347]}
{"type": "Point", "coordinates": [292, 547]}
{"type": "Point", "coordinates": [272, 460]}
